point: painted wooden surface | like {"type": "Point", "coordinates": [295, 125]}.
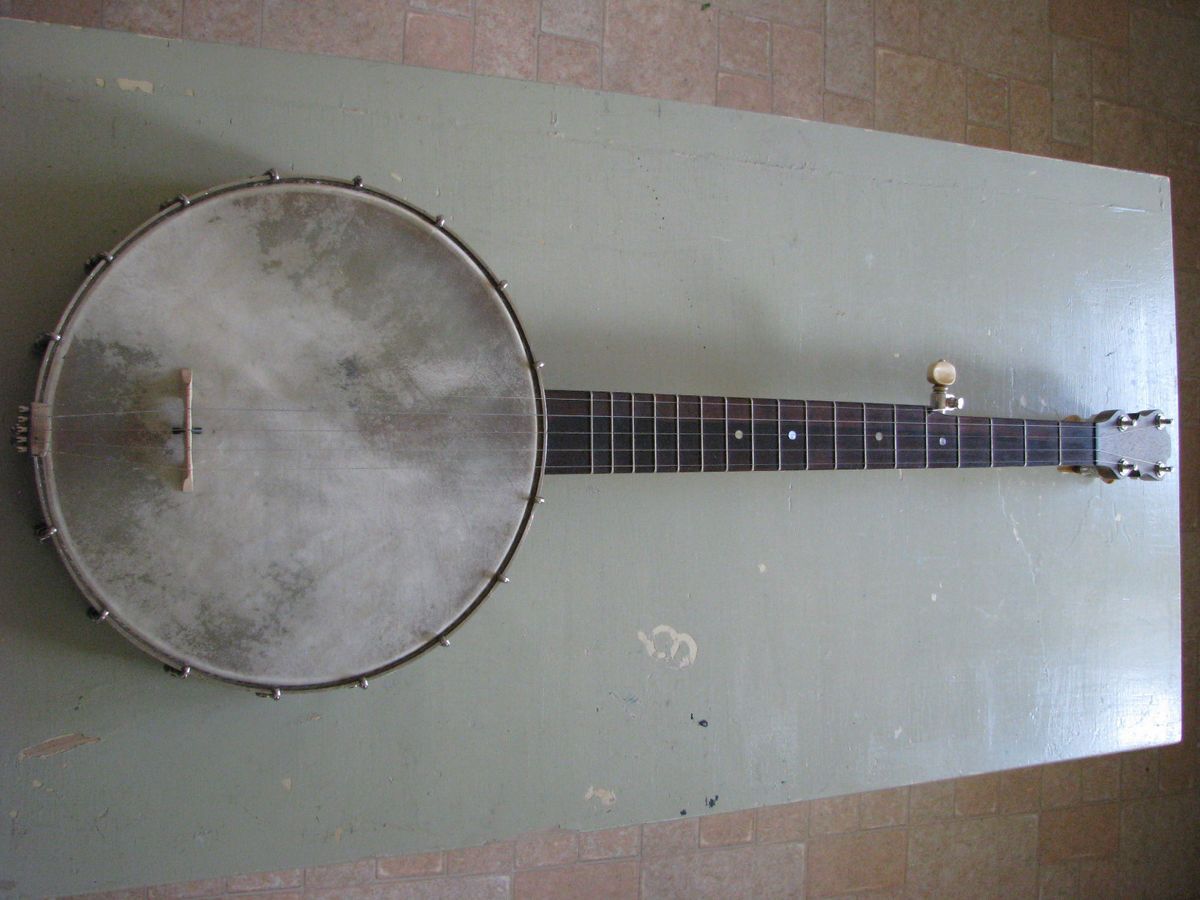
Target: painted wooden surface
{"type": "Point", "coordinates": [836, 631]}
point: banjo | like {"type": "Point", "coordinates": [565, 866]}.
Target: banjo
{"type": "Point", "coordinates": [289, 434]}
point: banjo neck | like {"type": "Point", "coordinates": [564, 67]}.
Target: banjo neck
{"type": "Point", "coordinates": [603, 432]}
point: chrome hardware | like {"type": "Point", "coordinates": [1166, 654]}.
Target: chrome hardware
{"type": "Point", "coordinates": [274, 694]}
{"type": "Point", "coordinates": [445, 642]}
{"type": "Point", "coordinates": [1161, 421]}
{"type": "Point", "coordinates": [503, 285]}
{"type": "Point", "coordinates": [363, 683]}
{"type": "Point", "coordinates": [1161, 469]}
{"type": "Point", "coordinates": [539, 499]}
{"type": "Point", "coordinates": [96, 260]}
{"type": "Point", "coordinates": [181, 199]}
{"type": "Point", "coordinates": [97, 615]}
{"type": "Point", "coordinates": [22, 420]}
{"type": "Point", "coordinates": [503, 579]}
{"type": "Point", "coordinates": [181, 672]}
{"type": "Point", "coordinates": [440, 221]}
{"type": "Point", "coordinates": [357, 181]}
{"type": "Point", "coordinates": [539, 365]}
{"type": "Point", "coordinates": [271, 175]}
{"type": "Point", "coordinates": [23, 408]}
{"type": "Point", "coordinates": [1125, 468]}
{"type": "Point", "coordinates": [941, 374]}
{"type": "Point", "coordinates": [45, 532]}
{"type": "Point", "coordinates": [44, 340]}
{"type": "Point", "coordinates": [20, 430]}
{"type": "Point", "coordinates": [1125, 422]}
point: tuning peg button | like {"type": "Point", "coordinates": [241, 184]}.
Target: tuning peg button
{"type": "Point", "coordinates": [942, 373]}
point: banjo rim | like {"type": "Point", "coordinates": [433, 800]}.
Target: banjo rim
{"type": "Point", "coordinates": [42, 478]}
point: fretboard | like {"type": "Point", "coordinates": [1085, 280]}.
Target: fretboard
{"type": "Point", "coordinates": [601, 432]}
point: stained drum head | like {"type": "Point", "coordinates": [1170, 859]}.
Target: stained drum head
{"type": "Point", "coordinates": [370, 429]}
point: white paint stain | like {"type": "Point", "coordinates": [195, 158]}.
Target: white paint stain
{"type": "Point", "coordinates": [606, 797]}
{"type": "Point", "coordinates": [287, 783]}
{"type": "Point", "coordinates": [899, 731]}
{"type": "Point", "coordinates": [99, 82]}
{"type": "Point", "coordinates": [132, 84]}
{"type": "Point", "coordinates": [677, 640]}
{"type": "Point", "coordinates": [396, 175]}
{"type": "Point", "coordinates": [762, 568]}
{"type": "Point", "coordinates": [1118, 518]}
{"type": "Point", "coordinates": [933, 597]}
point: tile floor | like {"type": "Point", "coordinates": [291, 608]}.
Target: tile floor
{"type": "Point", "coordinates": [1114, 82]}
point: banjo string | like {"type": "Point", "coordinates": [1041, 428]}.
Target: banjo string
{"type": "Point", "coordinates": [907, 454]}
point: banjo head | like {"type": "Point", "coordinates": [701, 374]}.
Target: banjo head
{"type": "Point", "coordinates": [366, 442]}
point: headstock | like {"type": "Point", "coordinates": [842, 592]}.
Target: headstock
{"type": "Point", "coordinates": [1133, 445]}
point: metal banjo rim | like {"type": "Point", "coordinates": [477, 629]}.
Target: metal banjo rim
{"type": "Point", "coordinates": [100, 612]}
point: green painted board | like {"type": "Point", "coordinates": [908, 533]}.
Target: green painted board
{"type": "Point", "coordinates": [852, 630]}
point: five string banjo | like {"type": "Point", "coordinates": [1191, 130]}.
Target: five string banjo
{"type": "Point", "coordinates": [289, 433]}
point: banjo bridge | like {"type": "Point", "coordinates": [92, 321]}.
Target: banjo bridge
{"type": "Point", "coordinates": [188, 485]}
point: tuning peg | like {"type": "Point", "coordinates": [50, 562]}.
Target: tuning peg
{"type": "Point", "coordinates": [1161, 469]}
{"type": "Point", "coordinates": [1161, 421]}
{"type": "Point", "coordinates": [941, 375]}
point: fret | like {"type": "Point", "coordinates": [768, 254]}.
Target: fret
{"type": "Point", "coordinates": [712, 413]}
{"type": "Point", "coordinates": [666, 415]}
{"type": "Point", "coordinates": [622, 432]}
{"type": "Point", "coordinates": [793, 435]}
{"type": "Point", "coordinates": [879, 436]}
{"type": "Point", "coordinates": [690, 455]}
{"type": "Point", "coordinates": [766, 434]}
{"type": "Point", "coordinates": [849, 436]}
{"type": "Point", "coordinates": [567, 444]}
{"type": "Point", "coordinates": [654, 426]}
{"type": "Point", "coordinates": [1024, 443]}
{"type": "Point", "coordinates": [643, 433]}
{"type": "Point", "coordinates": [941, 437]}
{"type": "Point", "coordinates": [725, 414]}
{"type": "Point", "coordinates": [1079, 444]}
{"type": "Point", "coordinates": [591, 433]}
{"type": "Point", "coordinates": [602, 436]}
{"type": "Point", "coordinates": [1041, 443]}
{"type": "Point", "coordinates": [910, 437]}
{"type": "Point", "coordinates": [739, 428]}
{"type": "Point", "coordinates": [974, 442]}
{"type": "Point", "coordinates": [895, 438]}
{"type": "Point", "coordinates": [819, 432]}
{"type": "Point", "coordinates": [678, 452]}
{"type": "Point", "coordinates": [1008, 442]}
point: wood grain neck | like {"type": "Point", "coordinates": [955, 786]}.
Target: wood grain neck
{"type": "Point", "coordinates": [601, 432]}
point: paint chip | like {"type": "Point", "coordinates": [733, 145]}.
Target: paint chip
{"type": "Point", "coordinates": [606, 797]}
{"type": "Point", "coordinates": [678, 640]}
{"type": "Point", "coordinates": [287, 783]}
{"type": "Point", "coordinates": [762, 567]}
{"type": "Point", "coordinates": [188, 92]}
{"type": "Point", "coordinates": [99, 82]}
{"type": "Point", "coordinates": [132, 84]}
{"type": "Point", "coordinates": [60, 744]}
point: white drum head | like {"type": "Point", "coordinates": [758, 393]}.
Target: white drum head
{"type": "Point", "coordinates": [370, 434]}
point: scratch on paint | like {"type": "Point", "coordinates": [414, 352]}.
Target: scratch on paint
{"type": "Point", "coordinates": [60, 744]}
{"type": "Point", "coordinates": [606, 797]}
{"type": "Point", "coordinates": [677, 638]}
{"type": "Point", "coordinates": [132, 84]}
{"type": "Point", "coordinates": [1012, 520]}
